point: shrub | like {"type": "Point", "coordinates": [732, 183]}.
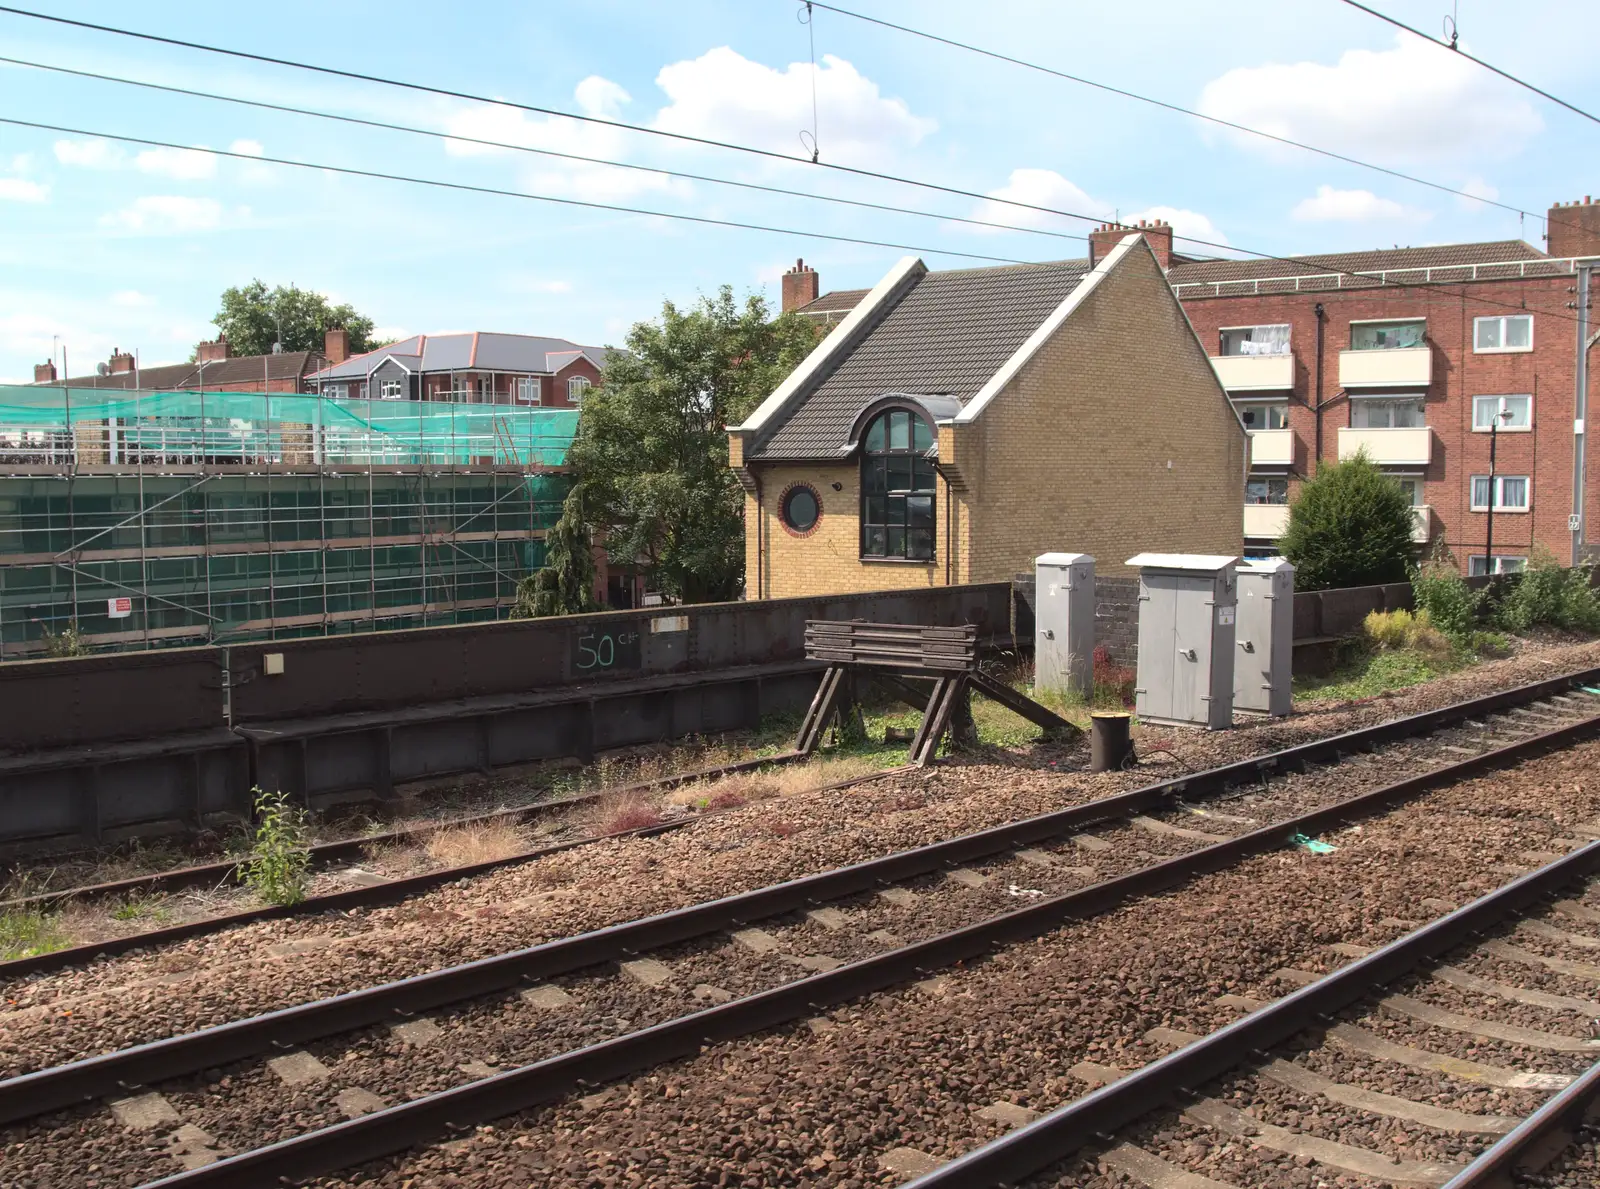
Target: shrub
{"type": "Point", "coordinates": [1350, 526]}
{"type": "Point", "coordinates": [1396, 630]}
{"type": "Point", "coordinates": [1441, 593]}
{"type": "Point", "coordinates": [278, 866]}
{"type": "Point", "coordinates": [1113, 683]}
{"type": "Point", "coordinates": [1547, 594]}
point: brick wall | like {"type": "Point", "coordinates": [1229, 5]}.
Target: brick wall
{"type": "Point", "coordinates": [1547, 373]}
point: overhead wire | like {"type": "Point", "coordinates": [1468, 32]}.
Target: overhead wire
{"type": "Point", "coordinates": [1299, 262]}
{"type": "Point", "coordinates": [351, 171]}
{"type": "Point", "coordinates": [1166, 105]}
{"type": "Point", "coordinates": [385, 125]}
{"type": "Point", "coordinates": [1456, 49]}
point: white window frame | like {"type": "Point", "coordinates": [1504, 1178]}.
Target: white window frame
{"type": "Point", "coordinates": [1502, 350]}
{"type": "Point", "coordinates": [1418, 490]}
{"type": "Point", "coordinates": [1355, 322]}
{"type": "Point", "coordinates": [529, 390]}
{"type": "Point", "coordinates": [391, 390]}
{"type": "Point", "coordinates": [1499, 494]}
{"type": "Point", "coordinates": [1365, 404]}
{"type": "Point", "coordinates": [1245, 406]}
{"type": "Point", "coordinates": [1288, 346]}
{"type": "Point", "coordinates": [1269, 480]}
{"type": "Point", "coordinates": [576, 385]}
{"type": "Point", "coordinates": [1499, 563]}
{"type": "Point", "coordinates": [1528, 428]}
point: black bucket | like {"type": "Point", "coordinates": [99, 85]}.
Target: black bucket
{"type": "Point", "coordinates": [1110, 743]}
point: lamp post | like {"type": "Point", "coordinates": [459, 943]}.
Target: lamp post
{"type": "Point", "coordinates": [1504, 414]}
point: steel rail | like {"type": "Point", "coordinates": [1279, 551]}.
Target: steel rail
{"type": "Point", "coordinates": [390, 892]}
{"type": "Point", "coordinates": [398, 1128]}
{"type": "Point", "coordinates": [35, 1093]}
{"type": "Point", "coordinates": [1533, 1138]}
{"type": "Point", "coordinates": [1088, 1120]}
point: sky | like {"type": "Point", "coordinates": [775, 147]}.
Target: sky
{"type": "Point", "coordinates": [106, 244]}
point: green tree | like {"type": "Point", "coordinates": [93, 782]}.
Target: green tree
{"type": "Point", "coordinates": [565, 584]}
{"type": "Point", "coordinates": [251, 314]}
{"type": "Point", "coordinates": [1350, 526]}
{"type": "Point", "coordinates": [651, 452]}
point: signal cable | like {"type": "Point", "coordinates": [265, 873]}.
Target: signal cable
{"type": "Point", "coordinates": [350, 171]}
{"type": "Point", "coordinates": [1456, 49]}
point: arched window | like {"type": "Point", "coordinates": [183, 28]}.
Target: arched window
{"type": "Point", "coordinates": [897, 490]}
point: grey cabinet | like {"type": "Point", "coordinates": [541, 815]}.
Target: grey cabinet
{"type": "Point", "coordinates": [1063, 633]}
{"type": "Point", "coordinates": [1187, 606]}
{"type": "Point", "coordinates": [1264, 656]}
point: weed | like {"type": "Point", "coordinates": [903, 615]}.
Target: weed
{"type": "Point", "coordinates": [278, 867]}
{"type": "Point", "coordinates": [475, 842]}
{"type": "Point", "coordinates": [68, 641]}
{"type": "Point", "coordinates": [139, 908]}
{"type": "Point", "coordinates": [1113, 683]}
{"type": "Point", "coordinates": [626, 811]}
{"type": "Point", "coordinates": [726, 799]}
{"type": "Point", "coordinates": [1450, 604]}
{"type": "Point", "coordinates": [1546, 594]}
{"type": "Point", "coordinates": [1400, 629]}
{"type": "Point", "coordinates": [25, 932]}
{"type": "Point", "coordinates": [1372, 672]}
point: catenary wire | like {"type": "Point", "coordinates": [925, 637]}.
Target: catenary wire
{"type": "Point", "coordinates": [1297, 262]}
{"type": "Point", "coordinates": [1456, 49]}
{"type": "Point", "coordinates": [410, 179]}
{"type": "Point", "coordinates": [1179, 108]}
{"type": "Point", "coordinates": [498, 144]}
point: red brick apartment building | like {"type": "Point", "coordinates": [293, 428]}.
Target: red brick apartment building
{"type": "Point", "coordinates": [215, 367]}
{"type": "Point", "coordinates": [1408, 354]}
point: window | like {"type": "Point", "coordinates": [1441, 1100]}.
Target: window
{"type": "Point", "coordinates": [1368, 413]}
{"type": "Point", "coordinates": [1266, 490]}
{"type": "Point", "coordinates": [528, 390]}
{"type": "Point", "coordinates": [1388, 336]}
{"type": "Point", "coordinates": [485, 391]}
{"type": "Point", "coordinates": [1256, 340]}
{"type": "Point", "coordinates": [897, 492]}
{"type": "Point", "coordinates": [1510, 493]}
{"type": "Point", "coordinates": [575, 387]}
{"type": "Point", "coordinates": [1264, 416]}
{"type": "Point", "coordinates": [336, 391]}
{"type": "Point", "coordinates": [1486, 408]}
{"type": "Point", "coordinates": [389, 390]}
{"type": "Point", "coordinates": [1502, 564]}
{"type": "Point", "coordinates": [800, 509]}
{"type": "Point", "coordinates": [1508, 332]}
{"type": "Point", "coordinates": [1412, 486]}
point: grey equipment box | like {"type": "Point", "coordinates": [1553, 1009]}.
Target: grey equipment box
{"type": "Point", "coordinates": [1187, 604]}
{"type": "Point", "coordinates": [1063, 623]}
{"type": "Point", "coordinates": [1265, 633]}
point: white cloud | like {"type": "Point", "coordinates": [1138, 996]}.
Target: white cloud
{"type": "Point", "coordinates": [507, 125]}
{"type": "Point", "coordinates": [1047, 188]}
{"type": "Point", "coordinates": [723, 95]}
{"type": "Point", "coordinates": [22, 163]}
{"type": "Point", "coordinates": [1478, 188]}
{"type": "Point", "coordinates": [249, 148]}
{"type": "Point", "coordinates": [132, 299]}
{"type": "Point", "coordinates": [183, 164]}
{"type": "Point", "coordinates": [1397, 105]}
{"type": "Point", "coordinates": [1353, 206]}
{"type": "Point", "coordinates": [89, 154]}
{"type": "Point", "coordinates": [22, 190]}
{"type": "Point", "coordinates": [165, 214]}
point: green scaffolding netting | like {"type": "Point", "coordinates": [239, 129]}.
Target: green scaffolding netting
{"type": "Point", "coordinates": [56, 424]}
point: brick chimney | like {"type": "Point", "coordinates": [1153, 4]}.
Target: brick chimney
{"type": "Point", "coordinates": [1108, 235]}
{"type": "Point", "coordinates": [336, 346]}
{"type": "Point", "coordinates": [121, 362]}
{"type": "Point", "coordinates": [212, 352]}
{"type": "Point", "coordinates": [1574, 229]}
{"type": "Point", "coordinates": [800, 286]}
{"type": "Point", "coordinates": [44, 373]}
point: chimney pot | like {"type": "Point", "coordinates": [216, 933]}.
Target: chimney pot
{"type": "Point", "coordinates": [1573, 229]}
{"type": "Point", "coordinates": [121, 362]}
{"type": "Point", "coordinates": [336, 346]}
{"type": "Point", "coordinates": [44, 373]}
{"type": "Point", "coordinates": [801, 286]}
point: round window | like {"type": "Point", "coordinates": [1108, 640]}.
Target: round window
{"type": "Point", "coordinates": [801, 509]}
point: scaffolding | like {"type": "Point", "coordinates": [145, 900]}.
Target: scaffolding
{"type": "Point", "coordinates": [158, 519]}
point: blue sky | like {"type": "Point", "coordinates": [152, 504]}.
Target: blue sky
{"type": "Point", "coordinates": [108, 245]}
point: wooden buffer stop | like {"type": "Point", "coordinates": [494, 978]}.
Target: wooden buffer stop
{"type": "Point", "coordinates": [900, 658]}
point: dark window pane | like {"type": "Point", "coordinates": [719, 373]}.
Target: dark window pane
{"type": "Point", "coordinates": [873, 543]}
{"type": "Point", "coordinates": [921, 435]}
{"type": "Point", "coordinates": [800, 509]}
{"type": "Point", "coordinates": [897, 543]}
{"type": "Point", "coordinates": [876, 510]}
{"type": "Point", "coordinates": [875, 434]}
{"type": "Point", "coordinates": [921, 544]}
{"type": "Point", "coordinates": [897, 510]}
{"type": "Point", "coordinates": [919, 511]}
{"type": "Point", "coordinates": [899, 431]}
{"type": "Point", "coordinates": [923, 476]}
{"type": "Point", "coordinates": [875, 476]}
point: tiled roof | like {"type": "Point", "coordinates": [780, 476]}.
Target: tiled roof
{"type": "Point", "coordinates": [947, 335]}
{"type": "Point", "coordinates": [839, 301]}
{"type": "Point", "coordinates": [1438, 256]}
{"type": "Point", "coordinates": [244, 369]}
{"type": "Point", "coordinates": [481, 350]}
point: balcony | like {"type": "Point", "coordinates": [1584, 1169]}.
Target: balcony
{"type": "Point", "coordinates": [1266, 521]}
{"type": "Point", "coordinates": [1255, 373]}
{"type": "Point", "coordinates": [1400, 367]}
{"type": "Point", "coordinates": [1271, 447]}
{"type": "Point", "coordinates": [1388, 447]}
{"type": "Point", "coordinates": [1421, 524]}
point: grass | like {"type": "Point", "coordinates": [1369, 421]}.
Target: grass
{"type": "Point", "coordinates": [141, 908]}
{"type": "Point", "coordinates": [475, 842]}
{"type": "Point", "coordinates": [25, 933]}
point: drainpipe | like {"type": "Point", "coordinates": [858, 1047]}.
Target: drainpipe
{"type": "Point", "coordinates": [760, 517]}
{"type": "Point", "coordinates": [1316, 457]}
{"type": "Point", "coordinates": [1580, 402]}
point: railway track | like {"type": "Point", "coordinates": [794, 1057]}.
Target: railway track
{"type": "Point", "coordinates": [475, 1042]}
{"type": "Point", "coordinates": [1324, 1047]}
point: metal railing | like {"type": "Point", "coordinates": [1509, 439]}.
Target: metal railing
{"type": "Point", "coordinates": [1438, 274]}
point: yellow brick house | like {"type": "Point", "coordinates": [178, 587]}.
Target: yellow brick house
{"type": "Point", "coordinates": [957, 424]}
